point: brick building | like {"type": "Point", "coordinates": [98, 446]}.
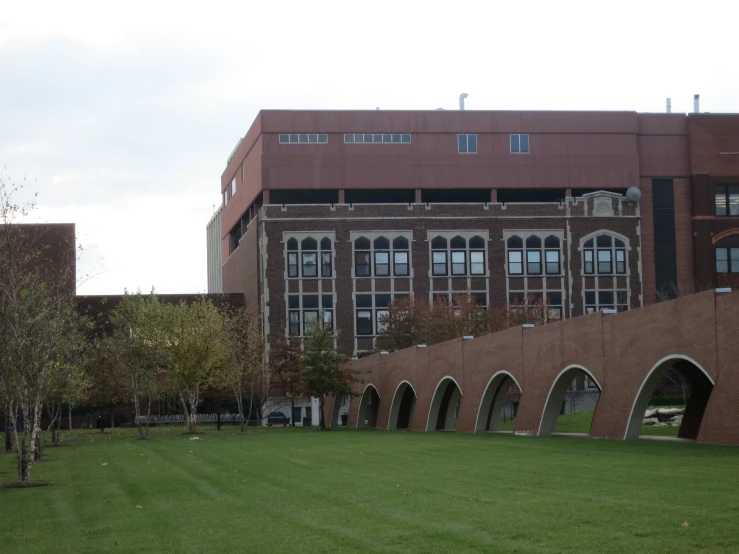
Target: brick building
{"type": "Point", "coordinates": [344, 211]}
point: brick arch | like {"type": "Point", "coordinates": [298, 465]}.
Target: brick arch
{"type": "Point", "coordinates": [556, 395]}
{"type": "Point", "coordinates": [697, 406]}
{"type": "Point", "coordinates": [364, 411]}
{"type": "Point", "coordinates": [336, 408]}
{"type": "Point", "coordinates": [443, 399]}
{"type": "Point", "coordinates": [724, 234]}
{"type": "Point", "coordinates": [493, 399]}
{"type": "Point", "coordinates": [396, 406]}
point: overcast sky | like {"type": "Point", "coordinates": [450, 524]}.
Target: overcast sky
{"type": "Point", "coordinates": [122, 118]}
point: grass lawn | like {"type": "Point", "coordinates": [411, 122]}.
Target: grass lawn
{"type": "Point", "coordinates": [300, 490]}
{"type": "Point", "coordinates": [580, 423]}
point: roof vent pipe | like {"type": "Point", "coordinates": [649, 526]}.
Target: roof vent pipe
{"type": "Point", "coordinates": [461, 100]}
{"type": "Point", "coordinates": [696, 103]}
{"type": "Point", "coordinates": [669, 105]}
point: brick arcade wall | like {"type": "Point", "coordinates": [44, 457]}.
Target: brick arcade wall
{"type": "Point", "coordinates": [618, 350]}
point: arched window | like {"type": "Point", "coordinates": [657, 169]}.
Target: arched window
{"type": "Point", "coordinates": [309, 257]}
{"type": "Point", "coordinates": [438, 242]}
{"type": "Point", "coordinates": [400, 243]}
{"type": "Point", "coordinates": [604, 255]}
{"type": "Point", "coordinates": [308, 244]}
{"type": "Point", "coordinates": [362, 257]}
{"type": "Point", "coordinates": [458, 242]}
{"type": "Point", "coordinates": [382, 257]}
{"type": "Point", "coordinates": [477, 256]}
{"type": "Point", "coordinates": [439, 256]}
{"type": "Point", "coordinates": [292, 244]}
{"type": "Point", "coordinates": [533, 255]}
{"type": "Point", "coordinates": [727, 255]}
{"type": "Point", "coordinates": [326, 257]}
{"type": "Point", "coordinates": [515, 255]}
{"type": "Point", "coordinates": [552, 255]}
{"type": "Point", "coordinates": [459, 256]}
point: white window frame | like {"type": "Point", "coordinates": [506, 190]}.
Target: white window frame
{"type": "Point", "coordinates": [519, 135]}
{"type": "Point", "coordinates": [297, 138]}
{"type": "Point", "coordinates": [372, 138]}
{"type": "Point", "coordinates": [467, 143]}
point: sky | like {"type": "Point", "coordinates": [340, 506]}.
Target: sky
{"type": "Point", "coordinates": [121, 118]}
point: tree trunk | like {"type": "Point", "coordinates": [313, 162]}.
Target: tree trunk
{"type": "Point", "coordinates": [38, 451]}
{"type": "Point", "coordinates": [292, 411]}
{"type": "Point", "coordinates": [240, 404]}
{"type": "Point", "coordinates": [320, 414]}
{"type": "Point", "coordinates": [193, 397]}
{"type": "Point", "coordinates": [112, 418]}
{"type": "Point", "coordinates": [139, 422]}
{"type": "Point", "coordinates": [69, 411]}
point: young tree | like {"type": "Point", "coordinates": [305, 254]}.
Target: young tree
{"type": "Point", "coordinates": [287, 370]}
{"type": "Point", "coordinates": [245, 365]}
{"type": "Point", "coordinates": [137, 348]}
{"type": "Point", "coordinates": [326, 372]}
{"type": "Point", "coordinates": [106, 384]}
{"type": "Point", "coordinates": [38, 321]}
{"type": "Point", "coordinates": [195, 350]}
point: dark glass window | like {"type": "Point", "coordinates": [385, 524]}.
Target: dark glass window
{"type": "Point", "coordinates": [477, 242]}
{"type": "Point", "coordinates": [325, 244]}
{"type": "Point", "coordinates": [438, 243]}
{"type": "Point", "coordinates": [519, 144]}
{"type": "Point", "coordinates": [381, 243]}
{"type": "Point", "coordinates": [294, 325]}
{"type": "Point", "coordinates": [481, 298]}
{"type": "Point", "coordinates": [310, 301]}
{"type": "Point", "coordinates": [621, 261]}
{"type": "Point", "coordinates": [362, 264]}
{"type": "Point", "coordinates": [364, 301]}
{"type": "Point", "coordinates": [362, 243]}
{"type": "Point", "coordinates": [364, 322]}
{"type": "Point", "coordinates": [325, 264]}
{"type": "Point", "coordinates": [588, 261]}
{"type": "Point", "coordinates": [292, 244]}
{"type": "Point", "coordinates": [515, 242]}
{"type": "Point", "coordinates": [309, 244]}
{"type": "Point", "coordinates": [458, 242]}
{"type": "Point", "coordinates": [605, 265]}
{"type": "Point", "coordinates": [467, 144]}
{"type": "Point", "coordinates": [603, 241]}
{"type": "Point", "coordinates": [727, 200]}
{"type": "Point", "coordinates": [551, 242]}
{"type": "Point", "coordinates": [293, 301]}
{"type": "Point", "coordinates": [533, 242]}
{"type": "Point", "coordinates": [327, 301]}
{"type": "Point", "coordinates": [382, 300]}
{"type": "Point", "coordinates": [400, 243]}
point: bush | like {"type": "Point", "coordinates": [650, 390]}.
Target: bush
{"type": "Point", "coordinates": [667, 400]}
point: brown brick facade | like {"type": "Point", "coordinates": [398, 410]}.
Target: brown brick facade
{"type": "Point", "coordinates": [623, 353]}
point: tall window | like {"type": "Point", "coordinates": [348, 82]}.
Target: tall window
{"type": "Point", "coordinates": [519, 144]}
{"type": "Point", "coordinates": [233, 186]}
{"type": "Point", "coordinates": [533, 255]}
{"type": "Point", "coordinates": [467, 144]}
{"type": "Point", "coordinates": [362, 257]}
{"type": "Point", "coordinates": [304, 258]}
{"type": "Point", "coordinates": [727, 199]}
{"type": "Point", "coordinates": [401, 264]}
{"type": "Point", "coordinates": [606, 300]}
{"type": "Point", "coordinates": [466, 257]}
{"type": "Point", "coordinates": [309, 257]}
{"type": "Point", "coordinates": [515, 255]}
{"type": "Point", "coordinates": [381, 257]}
{"type": "Point", "coordinates": [604, 255]}
{"type": "Point", "coordinates": [552, 255]}
{"type": "Point", "coordinates": [727, 255]}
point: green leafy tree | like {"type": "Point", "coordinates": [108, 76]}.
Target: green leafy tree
{"type": "Point", "coordinates": [137, 347]}
{"type": "Point", "coordinates": [287, 377]}
{"type": "Point", "coordinates": [196, 349]}
{"type": "Point", "coordinates": [326, 371]}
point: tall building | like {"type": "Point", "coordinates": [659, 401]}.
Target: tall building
{"type": "Point", "coordinates": [344, 211]}
{"type": "Point", "coordinates": [215, 253]}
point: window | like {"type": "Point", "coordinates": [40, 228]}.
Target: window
{"type": "Point", "coordinates": [375, 138]}
{"type": "Point", "coordinates": [303, 312]}
{"type": "Point", "coordinates": [233, 186]}
{"type": "Point", "coordinates": [459, 251]}
{"type": "Point", "coordinates": [225, 198]}
{"type": "Point", "coordinates": [303, 258]}
{"type": "Point", "coordinates": [727, 255]}
{"type": "Point", "coordinates": [599, 254]}
{"type": "Point", "coordinates": [371, 309]}
{"type": "Point", "coordinates": [519, 144]}
{"type": "Point", "coordinates": [552, 255]}
{"type": "Point", "coordinates": [467, 144]}
{"type": "Point", "coordinates": [515, 262]}
{"type": "Point", "coordinates": [380, 253]}
{"type": "Point", "coordinates": [303, 138]}
{"type": "Point", "coordinates": [400, 263]}
{"type": "Point", "coordinates": [596, 301]}
{"type": "Point", "coordinates": [727, 200]}
{"type": "Point", "coordinates": [382, 264]}
{"type": "Point", "coordinates": [533, 262]}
